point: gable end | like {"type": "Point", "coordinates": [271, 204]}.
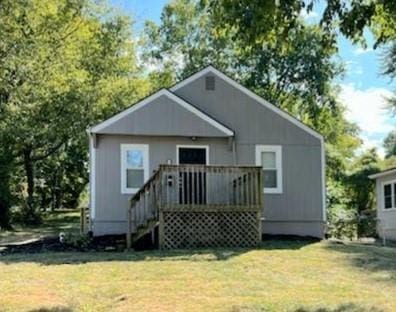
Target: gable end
{"type": "Point", "coordinates": [251, 94]}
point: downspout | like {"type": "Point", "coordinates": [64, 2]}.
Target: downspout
{"type": "Point", "coordinates": [231, 142]}
{"type": "Point", "coordinates": [234, 151]}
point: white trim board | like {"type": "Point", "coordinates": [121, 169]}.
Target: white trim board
{"type": "Point", "coordinates": [211, 69]}
{"type": "Point", "coordinates": [206, 147]}
{"type": "Point", "coordinates": [92, 178]}
{"type": "Point", "coordinates": [382, 174]}
{"type": "Point", "coordinates": [140, 147]}
{"type": "Point", "coordinates": [277, 149]}
{"type": "Point", "coordinates": [323, 172]}
{"type": "Point", "coordinates": [171, 96]}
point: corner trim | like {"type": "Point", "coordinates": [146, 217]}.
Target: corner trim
{"type": "Point", "coordinates": [92, 178]}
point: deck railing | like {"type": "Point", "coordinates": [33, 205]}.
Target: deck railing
{"type": "Point", "coordinates": [199, 186]}
{"type": "Point", "coordinates": [143, 206]}
{"type": "Point", "coordinates": [195, 188]}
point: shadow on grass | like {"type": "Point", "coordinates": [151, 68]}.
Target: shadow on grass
{"type": "Point", "coordinates": [347, 307]}
{"type": "Point", "coordinates": [213, 254]}
{"type": "Point", "coordinates": [53, 223]}
{"type": "Point", "coordinates": [370, 258]}
{"type": "Point", "coordinates": [53, 309]}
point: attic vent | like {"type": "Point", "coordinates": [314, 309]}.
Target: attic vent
{"type": "Point", "coordinates": [209, 82]}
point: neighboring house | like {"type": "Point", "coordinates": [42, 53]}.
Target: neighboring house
{"type": "Point", "coordinates": [386, 203]}
{"type": "Point", "coordinates": [209, 119]}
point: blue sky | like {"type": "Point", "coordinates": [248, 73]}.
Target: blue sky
{"type": "Point", "coordinates": [363, 90]}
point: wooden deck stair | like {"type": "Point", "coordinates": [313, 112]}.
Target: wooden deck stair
{"type": "Point", "coordinates": [144, 229]}
{"type": "Point", "coordinates": [198, 206]}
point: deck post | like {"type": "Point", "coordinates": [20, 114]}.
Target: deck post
{"type": "Point", "coordinates": [129, 234]}
{"type": "Point", "coordinates": [82, 220]}
{"type": "Point", "coordinates": [161, 230]}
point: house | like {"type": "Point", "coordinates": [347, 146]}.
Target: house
{"type": "Point", "coordinates": [208, 134]}
{"type": "Point", "coordinates": [385, 191]}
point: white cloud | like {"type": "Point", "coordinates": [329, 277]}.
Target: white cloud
{"type": "Point", "coordinates": [367, 109]}
{"type": "Point", "coordinates": [360, 51]}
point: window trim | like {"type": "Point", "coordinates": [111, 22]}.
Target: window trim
{"type": "Point", "coordinates": [123, 149]}
{"type": "Point", "coordinates": [277, 149]}
{"type": "Point", "coordinates": [206, 147]}
{"type": "Point", "coordinates": [393, 195]}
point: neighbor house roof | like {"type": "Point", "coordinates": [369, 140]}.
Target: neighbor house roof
{"type": "Point", "coordinates": [383, 173]}
{"type": "Point", "coordinates": [206, 124]}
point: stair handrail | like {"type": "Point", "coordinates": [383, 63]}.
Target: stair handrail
{"type": "Point", "coordinates": [137, 214]}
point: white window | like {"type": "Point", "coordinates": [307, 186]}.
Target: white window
{"type": "Point", "coordinates": [389, 195]}
{"type": "Point", "coordinates": [270, 158]}
{"type": "Point", "coordinates": [134, 167]}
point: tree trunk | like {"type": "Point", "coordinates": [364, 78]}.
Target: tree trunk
{"type": "Point", "coordinates": [29, 171]}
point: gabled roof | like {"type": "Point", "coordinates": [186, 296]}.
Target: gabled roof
{"type": "Point", "coordinates": [282, 113]}
{"type": "Point", "coordinates": [383, 173]}
{"type": "Point", "coordinates": [101, 127]}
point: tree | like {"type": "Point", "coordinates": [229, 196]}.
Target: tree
{"type": "Point", "coordinates": [390, 144]}
{"type": "Point", "coordinates": [295, 74]}
{"type": "Point", "coordinates": [361, 191]}
{"type": "Point", "coordinates": [63, 65]}
{"type": "Point", "coordinates": [6, 163]}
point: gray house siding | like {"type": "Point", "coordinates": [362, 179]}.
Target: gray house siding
{"type": "Point", "coordinates": [110, 204]}
{"type": "Point", "coordinates": [387, 217]}
{"type": "Point", "coordinates": [299, 209]}
{"type": "Point", "coordinates": [163, 116]}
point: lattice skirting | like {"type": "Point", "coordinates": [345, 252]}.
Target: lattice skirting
{"type": "Point", "coordinates": [210, 229]}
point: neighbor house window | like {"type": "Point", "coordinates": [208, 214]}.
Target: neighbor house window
{"type": "Point", "coordinates": [389, 189]}
{"type": "Point", "coordinates": [134, 167]}
{"type": "Point", "coordinates": [269, 157]}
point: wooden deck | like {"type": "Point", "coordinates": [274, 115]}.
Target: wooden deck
{"type": "Point", "coordinates": [199, 206]}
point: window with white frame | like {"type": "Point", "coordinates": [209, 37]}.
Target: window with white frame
{"type": "Point", "coordinates": [134, 167]}
{"type": "Point", "coordinates": [389, 195]}
{"type": "Point", "coordinates": [269, 157]}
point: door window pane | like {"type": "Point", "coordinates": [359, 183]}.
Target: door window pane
{"type": "Point", "coordinates": [194, 156]}
{"type": "Point", "coordinates": [134, 178]}
{"type": "Point", "coordinates": [388, 196]}
{"type": "Point", "coordinates": [268, 160]}
{"type": "Point", "coordinates": [269, 177]}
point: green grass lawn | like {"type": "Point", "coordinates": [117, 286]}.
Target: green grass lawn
{"type": "Point", "coordinates": [279, 276]}
{"type": "Point", "coordinates": [53, 223]}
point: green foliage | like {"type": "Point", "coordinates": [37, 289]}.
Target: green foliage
{"type": "Point", "coordinates": [390, 144]}
{"type": "Point", "coordinates": [80, 242]}
{"type": "Point", "coordinates": [351, 200]}
{"type": "Point", "coordinates": [5, 190]}
{"type": "Point", "coordinates": [64, 65]}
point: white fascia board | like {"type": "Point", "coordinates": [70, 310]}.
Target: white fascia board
{"type": "Point", "coordinates": [382, 174]}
